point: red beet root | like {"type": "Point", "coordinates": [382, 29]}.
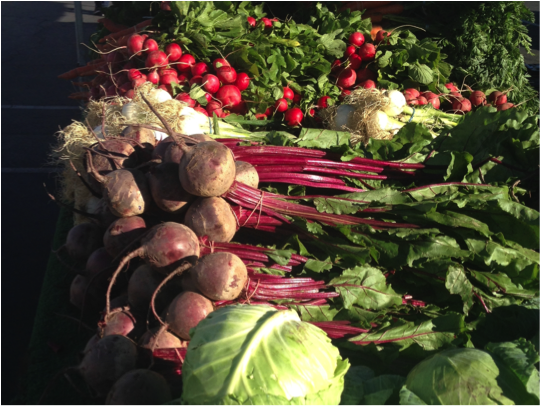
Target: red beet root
{"type": "Point", "coordinates": [212, 217]}
{"type": "Point", "coordinates": [186, 311]}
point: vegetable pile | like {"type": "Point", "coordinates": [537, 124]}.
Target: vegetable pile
{"type": "Point", "coordinates": [342, 264]}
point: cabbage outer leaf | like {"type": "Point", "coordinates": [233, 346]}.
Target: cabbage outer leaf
{"type": "Point", "coordinates": [257, 355]}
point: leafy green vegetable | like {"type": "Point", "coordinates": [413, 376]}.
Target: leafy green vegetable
{"type": "Point", "coordinates": [504, 374]}
{"type": "Point", "coordinates": [257, 355]}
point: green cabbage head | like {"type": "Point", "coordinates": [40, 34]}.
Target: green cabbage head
{"type": "Point", "coordinates": [258, 355]}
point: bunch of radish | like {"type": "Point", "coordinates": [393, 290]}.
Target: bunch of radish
{"type": "Point", "coordinates": [457, 101]}
{"type": "Point", "coordinates": [142, 60]}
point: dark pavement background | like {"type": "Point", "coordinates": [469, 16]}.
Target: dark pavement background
{"type": "Point", "coordinates": [38, 43]}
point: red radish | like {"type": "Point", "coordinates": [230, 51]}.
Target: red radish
{"type": "Point", "coordinates": [269, 111]}
{"type": "Point", "coordinates": [368, 84]}
{"type": "Point", "coordinates": [135, 44]}
{"type": "Point", "coordinates": [199, 69]}
{"type": "Point", "coordinates": [413, 93]}
{"type": "Point", "coordinates": [164, 6]}
{"type": "Point", "coordinates": [367, 52]}
{"type": "Point", "coordinates": [493, 97]}
{"type": "Point", "coordinates": [198, 80]}
{"type": "Point", "coordinates": [185, 97]}
{"type": "Point", "coordinates": [355, 61]}
{"type": "Point", "coordinates": [365, 74]}
{"type": "Point", "coordinates": [229, 96]}
{"type": "Point", "coordinates": [312, 112]}
{"type": "Point", "coordinates": [478, 98]}
{"type": "Point", "coordinates": [131, 64]}
{"type": "Point", "coordinates": [156, 59]}
{"type": "Point", "coordinates": [421, 101]}
{"type": "Point", "coordinates": [220, 276]}
{"type": "Point", "coordinates": [140, 386]}
{"type": "Point", "coordinates": [251, 21]}
{"type": "Point", "coordinates": [462, 105]}
{"type": "Point", "coordinates": [432, 99]}
{"type": "Point", "coordinates": [344, 94]}
{"type": "Point", "coordinates": [346, 79]}
{"type": "Point", "coordinates": [336, 65]}
{"type": "Point", "coordinates": [294, 116]}
{"type": "Point", "coordinates": [350, 51]}
{"type": "Point", "coordinates": [139, 81]}
{"type": "Point", "coordinates": [211, 83]}
{"type": "Point", "coordinates": [201, 110]}
{"type": "Point", "coordinates": [266, 22]}
{"type": "Point", "coordinates": [129, 94]}
{"type": "Point", "coordinates": [173, 51]}
{"type": "Point", "coordinates": [125, 88]}
{"type": "Point", "coordinates": [380, 36]}
{"type": "Point", "coordinates": [288, 93]}
{"type": "Point", "coordinates": [184, 64]}
{"type": "Point", "coordinates": [167, 71]}
{"type": "Point", "coordinates": [150, 45]}
{"type": "Point", "coordinates": [323, 103]}
{"type": "Point", "coordinates": [207, 169]}
{"type": "Point", "coordinates": [260, 116]}
{"type": "Point", "coordinates": [227, 74]}
{"type": "Point", "coordinates": [215, 106]}
{"type": "Point", "coordinates": [501, 99]}
{"type": "Point", "coordinates": [167, 80]}
{"type": "Point", "coordinates": [451, 87]}
{"type": "Point", "coordinates": [182, 78]}
{"type": "Point", "coordinates": [208, 97]}
{"type": "Point", "coordinates": [281, 105]}
{"type": "Point", "coordinates": [186, 311]}
{"type": "Point", "coordinates": [297, 98]}
{"type": "Point", "coordinates": [212, 217]}
{"type": "Point", "coordinates": [240, 109]}
{"type": "Point", "coordinates": [220, 62]}
{"type": "Point", "coordinates": [412, 101]}
{"type": "Point", "coordinates": [505, 106]}
{"type": "Point", "coordinates": [153, 77]}
{"type": "Point", "coordinates": [357, 39]}
{"type": "Point", "coordinates": [243, 81]}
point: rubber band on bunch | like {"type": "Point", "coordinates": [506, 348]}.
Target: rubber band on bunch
{"type": "Point", "coordinates": [412, 114]}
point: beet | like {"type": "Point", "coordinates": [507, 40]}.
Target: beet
{"type": "Point", "coordinates": [166, 189]}
{"type": "Point", "coordinates": [161, 147]}
{"type": "Point", "coordinates": [98, 261]}
{"type": "Point", "coordinates": [139, 387]}
{"type": "Point", "coordinates": [173, 154]}
{"type": "Point", "coordinates": [82, 240]}
{"type": "Point", "coordinates": [207, 169]}
{"type": "Point", "coordinates": [77, 291]}
{"type": "Point", "coordinates": [163, 248]}
{"type": "Point", "coordinates": [119, 322]}
{"type": "Point", "coordinates": [126, 192]}
{"type": "Point", "coordinates": [212, 217]}
{"type": "Point", "coordinates": [143, 136]}
{"type": "Point", "coordinates": [142, 285]}
{"type": "Point", "coordinates": [158, 338]}
{"type": "Point", "coordinates": [106, 361]}
{"type": "Point", "coordinates": [220, 276]}
{"type": "Point", "coordinates": [186, 311]}
{"type": "Point", "coordinates": [122, 233]}
{"type": "Point", "coordinates": [246, 173]}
